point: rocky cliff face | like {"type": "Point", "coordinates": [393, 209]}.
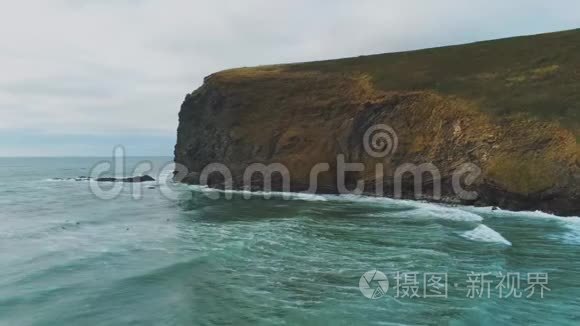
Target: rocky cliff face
{"type": "Point", "coordinates": [300, 117]}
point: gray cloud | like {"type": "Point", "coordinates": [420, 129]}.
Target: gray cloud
{"type": "Point", "coordinates": [124, 66]}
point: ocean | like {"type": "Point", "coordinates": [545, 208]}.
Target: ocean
{"type": "Point", "coordinates": [69, 257]}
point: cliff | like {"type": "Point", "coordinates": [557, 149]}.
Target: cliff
{"type": "Point", "coordinates": [510, 108]}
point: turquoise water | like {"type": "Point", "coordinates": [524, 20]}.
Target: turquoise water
{"type": "Point", "coordinates": [69, 258]}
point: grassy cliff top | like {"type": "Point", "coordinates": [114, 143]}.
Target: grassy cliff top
{"type": "Point", "coordinates": [536, 76]}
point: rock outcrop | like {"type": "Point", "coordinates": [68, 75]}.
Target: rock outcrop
{"type": "Point", "coordinates": [143, 178]}
{"type": "Point", "coordinates": [305, 114]}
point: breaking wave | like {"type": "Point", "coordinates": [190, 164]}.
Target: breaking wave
{"type": "Point", "coordinates": [484, 233]}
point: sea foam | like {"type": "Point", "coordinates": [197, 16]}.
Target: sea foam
{"type": "Point", "coordinates": [484, 233]}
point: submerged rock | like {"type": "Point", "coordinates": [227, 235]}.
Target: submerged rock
{"type": "Point", "coordinates": [81, 178]}
{"type": "Point", "coordinates": [143, 178]}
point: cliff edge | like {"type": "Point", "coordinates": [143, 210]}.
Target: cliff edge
{"type": "Point", "coordinates": [508, 110]}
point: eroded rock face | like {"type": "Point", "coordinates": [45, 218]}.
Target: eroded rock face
{"type": "Point", "coordinates": [300, 119]}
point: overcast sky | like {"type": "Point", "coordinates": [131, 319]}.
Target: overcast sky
{"type": "Point", "coordinates": [79, 76]}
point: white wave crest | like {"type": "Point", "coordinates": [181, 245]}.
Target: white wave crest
{"type": "Point", "coordinates": [505, 213]}
{"type": "Point", "coordinates": [428, 210]}
{"type": "Point", "coordinates": [257, 194]}
{"type": "Point", "coordinates": [416, 209]}
{"type": "Point", "coordinates": [484, 233]}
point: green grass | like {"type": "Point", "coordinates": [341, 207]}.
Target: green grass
{"type": "Point", "coordinates": [535, 75]}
